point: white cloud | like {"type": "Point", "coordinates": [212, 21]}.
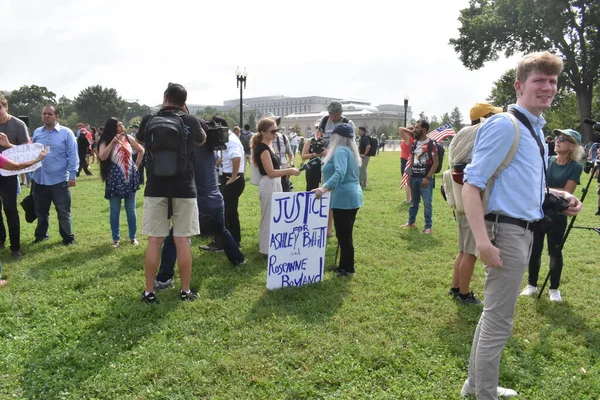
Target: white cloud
{"type": "Point", "coordinates": [376, 51]}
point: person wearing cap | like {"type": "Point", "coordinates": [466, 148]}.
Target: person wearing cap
{"type": "Point", "coordinates": [503, 230]}
{"type": "Point", "coordinates": [333, 119]}
{"type": "Point", "coordinates": [460, 151]}
{"type": "Point", "coordinates": [564, 172]}
{"type": "Point", "coordinates": [271, 173]}
{"type": "Point", "coordinates": [340, 173]}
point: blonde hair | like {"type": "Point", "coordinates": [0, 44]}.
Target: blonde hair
{"type": "Point", "coordinates": [3, 101]}
{"type": "Point", "coordinates": [544, 62]}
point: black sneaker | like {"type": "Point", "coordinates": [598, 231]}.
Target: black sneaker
{"type": "Point", "coordinates": [333, 269]}
{"type": "Point", "coordinates": [344, 274]}
{"type": "Point", "coordinates": [16, 255]}
{"type": "Point", "coordinates": [469, 300]}
{"type": "Point", "coordinates": [453, 294]}
{"type": "Point", "coordinates": [163, 285]}
{"type": "Point", "coordinates": [189, 296]}
{"type": "Point", "coordinates": [149, 298]}
{"type": "Point", "coordinates": [210, 247]}
{"type": "Point", "coordinates": [597, 212]}
{"type": "Point", "coordinates": [39, 240]}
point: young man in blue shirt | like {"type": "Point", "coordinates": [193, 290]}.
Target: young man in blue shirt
{"type": "Point", "coordinates": [504, 230]}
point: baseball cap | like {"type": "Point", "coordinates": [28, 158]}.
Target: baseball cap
{"type": "Point", "coordinates": [345, 130]}
{"type": "Point", "coordinates": [334, 107]}
{"type": "Point", "coordinates": [273, 116]}
{"type": "Point", "coordinates": [569, 132]}
{"type": "Point", "coordinates": [482, 109]}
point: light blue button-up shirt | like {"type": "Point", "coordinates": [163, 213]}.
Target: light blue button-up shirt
{"type": "Point", "coordinates": [61, 163]}
{"type": "Point", "coordinates": [519, 190]}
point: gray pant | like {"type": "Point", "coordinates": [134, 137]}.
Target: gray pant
{"type": "Point", "coordinates": [362, 174]}
{"type": "Point", "coordinates": [500, 293]}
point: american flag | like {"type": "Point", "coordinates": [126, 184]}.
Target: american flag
{"type": "Point", "coordinates": [438, 135]}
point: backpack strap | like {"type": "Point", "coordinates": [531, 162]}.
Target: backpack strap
{"type": "Point", "coordinates": [507, 160]}
{"type": "Point", "coordinates": [323, 123]}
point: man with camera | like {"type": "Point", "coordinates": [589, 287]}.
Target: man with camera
{"type": "Point", "coordinates": [16, 132]}
{"type": "Point", "coordinates": [504, 230]}
{"type": "Point", "coordinates": [314, 148]}
{"type": "Point", "coordinates": [170, 192]}
{"type": "Point", "coordinates": [364, 147]}
{"type": "Point", "coordinates": [593, 163]}
{"type": "Point", "coordinates": [333, 119]}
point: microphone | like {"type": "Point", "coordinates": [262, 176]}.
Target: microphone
{"type": "Point", "coordinates": [311, 163]}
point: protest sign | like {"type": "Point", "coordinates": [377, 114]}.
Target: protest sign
{"type": "Point", "coordinates": [22, 153]}
{"type": "Point", "coordinates": [298, 238]}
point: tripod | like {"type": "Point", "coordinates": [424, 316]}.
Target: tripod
{"type": "Point", "coordinates": [584, 193]}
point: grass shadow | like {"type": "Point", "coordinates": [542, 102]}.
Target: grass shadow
{"type": "Point", "coordinates": [315, 303]}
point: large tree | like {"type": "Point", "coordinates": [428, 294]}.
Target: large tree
{"type": "Point", "coordinates": [456, 119]}
{"type": "Point", "coordinates": [96, 104]}
{"type": "Point", "coordinates": [29, 101]}
{"type": "Point", "coordinates": [567, 27]}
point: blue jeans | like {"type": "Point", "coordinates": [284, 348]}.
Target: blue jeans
{"type": "Point", "coordinates": [115, 213]}
{"type": "Point", "coordinates": [60, 195]}
{"type": "Point", "coordinates": [169, 251]}
{"type": "Point", "coordinates": [427, 194]}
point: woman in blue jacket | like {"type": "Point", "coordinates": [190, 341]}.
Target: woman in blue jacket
{"type": "Point", "coordinates": [340, 173]}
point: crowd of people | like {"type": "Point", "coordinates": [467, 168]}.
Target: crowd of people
{"type": "Point", "coordinates": [509, 195]}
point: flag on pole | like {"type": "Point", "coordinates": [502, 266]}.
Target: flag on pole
{"type": "Point", "coordinates": [438, 135]}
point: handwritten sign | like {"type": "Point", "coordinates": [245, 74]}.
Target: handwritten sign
{"type": "Point", "coordinates": [298, 239]}
{"type": "Point", "coordinates": [22, 153]}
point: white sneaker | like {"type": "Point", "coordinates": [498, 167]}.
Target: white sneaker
{"type": "Point", "coordinates": [468, 390]}
{"type": "Point", "coordinates": [555, 295]}
{"type": "Point", "coordinates": [529, 291]}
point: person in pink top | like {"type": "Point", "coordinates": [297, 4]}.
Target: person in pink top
{"type": "Point", "coordinates": [404, 155]}
{"type": "Point", "coordinates": [10, 165]}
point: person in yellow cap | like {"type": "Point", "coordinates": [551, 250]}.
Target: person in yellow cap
{"type": "Point", "coordinates": [460, 151]}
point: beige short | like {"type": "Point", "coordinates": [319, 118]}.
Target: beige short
{"type": "Point", "coordinates": [184, 218]}
{"type": "Point", "coordinates": [466, 240]}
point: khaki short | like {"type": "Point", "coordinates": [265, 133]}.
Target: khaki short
{"type": "Point", "coordinates": [184, 218]}
{"type": "Point", "coordinates": [466, 240]}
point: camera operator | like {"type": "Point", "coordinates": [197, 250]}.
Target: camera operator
{"type": "Point", "coordinates": [592, 160]}
{"type": "Point", "coordinates": [564, 172]}
{"type": "Point", "coordinates": [313, 148]}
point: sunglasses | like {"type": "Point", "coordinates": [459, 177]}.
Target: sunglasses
{"type": "Point", "coordinates": [273, 131]}
{"type": "Point", "coordinates": [562, 139]}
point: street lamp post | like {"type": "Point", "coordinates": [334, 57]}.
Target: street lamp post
{"type": "Point", "coordinates": [405, 108]}
{"type": "Point", "coordinates": [241, 79]}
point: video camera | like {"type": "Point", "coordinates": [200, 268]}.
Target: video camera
{"type": "Point", "coordinates": [310, 164]}
{"type": "Point", "coordinates": [217, 135]}
{"type": "Point", "coordinates": [589, 166]}
{"type": "Point", "coordinates": [316, 146]}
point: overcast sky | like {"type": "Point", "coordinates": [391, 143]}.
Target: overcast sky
{"type": "Point", "coordinates": [371, 50]}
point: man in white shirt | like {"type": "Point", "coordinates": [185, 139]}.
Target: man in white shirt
{"type": "Point", "coordinates": [283, 150]}
{"type": "Point", "coordinates": [232, 182]}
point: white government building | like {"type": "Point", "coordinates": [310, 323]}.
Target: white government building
{"type": "Point", "coordinates": [304, 112]}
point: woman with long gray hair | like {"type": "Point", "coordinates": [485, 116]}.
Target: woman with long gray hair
{"type": "Point", "coordinates": [340, 173]}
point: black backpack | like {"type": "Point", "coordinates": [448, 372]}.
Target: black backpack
{"type": "Point", "coordinates": [245, 137]}
{"type": "Point", "coordinates": [374, 144]}
{"type": "Point", "coordinates": [166, 144]}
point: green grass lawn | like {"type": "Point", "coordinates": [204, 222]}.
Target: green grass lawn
{"type": "Point", "coordinates": [72, 325]}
